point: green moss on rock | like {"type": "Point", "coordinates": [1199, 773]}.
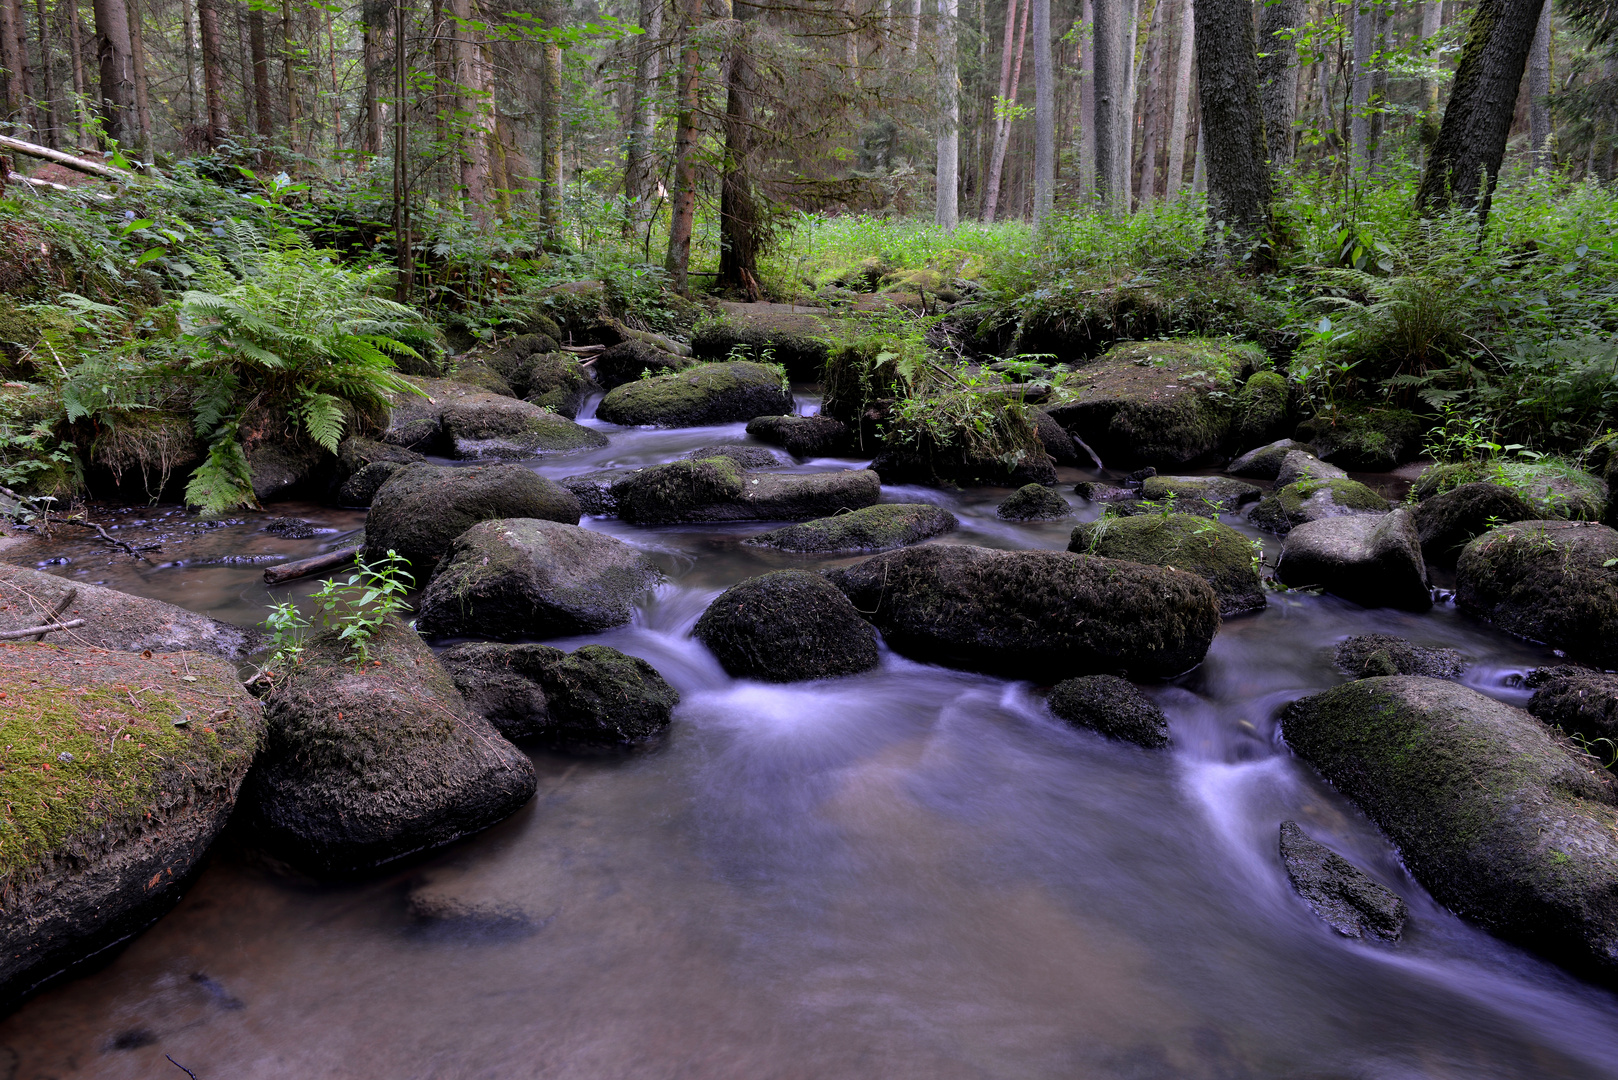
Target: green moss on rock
{"type": "Point", "coordinates": [785, 627]}
{"type": "Point", "coordinates": [719, 393]}
{"type": "Point", "coordinates": [1215, 552]}
{"type": "Point", "coordinates": [1033, 502]}
{"type": "Point", "coordinates": [677, 490]}
{"type": "Point", "coordinates": [1554, 488]}
{"type": "Point", "coordinates": [794, 339]}
{"type": "Point", "coordinates": [1311, 500]}
{"type": "Point", "coordinates": [1262, 406]}
{"type": "Point", "coordinates": [1366, 440]}
{"type": "Point", "coordinates": [873, 528]}
{"type": "Point", "coordinates": [1552, 581]}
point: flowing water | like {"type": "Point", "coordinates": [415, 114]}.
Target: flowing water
{"type": "Point", "coordinates": [913, 873]}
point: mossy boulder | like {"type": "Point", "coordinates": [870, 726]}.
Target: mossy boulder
{"type": "Point", "coordinates": [1448, 522]}
{"type": "Point", "coordinates": [717, 489]}
{"type": "Point", "coordinates": [112, 619]}
{"type": "Point", "coordinates": [1261, 410]}
{"type": "Point", "coordinates": [1265, 462]}
{"type": "Point", "coordinates": [361, 488]}
{"type": "Point", "coordinates": [473, 372]}
{"type": "Point", "coordinates": [510, 359]}
{"type": "Point", "coordinates": [790, 336]}
{"type": "Point", "coordinates": [1495, 816]}
{"type": "Point", "coordinates": [517, 577]}
{"type": "Point", "coordinates": [1097, 491]}
{"type": "Point", "coordinates": [1112, 706]}
{"type": "Point", "coordinates": [556, 381]}
{"type": "Point", "coordinates": [1040, 615]}
{"type": "Point", "coordinates": [1552, 581]}
{"type": "Point", "coordinates": [1552, 487]}
{"type": "Point", "coordinates": [1311, 500]}
{"type": "Point", "coordinates": [873, 528]}
{"type": "Point", "coordinates": [1366, 440]}
{"type": "Point", "coordinates": [747, 458]}
{"type": "Point", "coordinates": [785, 627]}
{"type": "Point", "coordinates": [117, 771]}
{"type": "Point", "coordinates": [490, 426]}
{"type": "Point", "coordinates": [1302, 465]}
{"type": "Point", "coordinates": [415, 419]}
{"type": "Point", "coordinates": [1577, 700]}
{"type": "Point", "coordinates": [1340, 893]}
{"type": "Point", "coordinates": [1215, 552]}
{"type": "Point", "coordinates": [1058, 444]}
{"type": "Point", "coordinates": [1369, 655]}
{"type": "Point", "coordinates": [364, 764]}
{"type": "Point", "coordinates": [963, 438]}
{"type": "Point", "coordinates": [1221, 492]}
{"type": "Point", "coordinates": [720, 393]}
{"type": "Point", "coordinates": [1162, 403]}
{"type": "Point", "coordinates": [421, 508]}
{"type": "Point", "coordinates": [1033, 502]}
{"type": "Point", "coordinates": [594, 490]}
{"type": "Point", "coordinates": [803, 436]}
{"type": "Point", "coordinates": [629, 361]}
{"type": "Point", "coordinates": [1372, 561]}
{"type": "Point", "coordinates": [356, 452]}
{"type": "Point", "coordinates": [594, 696]}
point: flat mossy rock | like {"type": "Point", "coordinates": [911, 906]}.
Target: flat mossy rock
{"type": "Point", "coordinates": [1311, 500]}
{"type": "Point", "coordinates": [1033, 502]}
{"type": "Point", "coordinates": [421, 508]}
{"type": "Point", "coordinates": [803, 436]}
{"type": "Point", "coordinates": [1112, 706]}
{"type": "Point", "coordinates": [556, 381]}
{"type": "Point", "coordinates": [785, 627]}
{"type": "Point", "coordinates": [1552, 487]}
{"type": "Point", "coordinates": [1162, 403]}
{"type": "Point", "coordinates": [1219, 491]}
{"type": "Point", "coordinates": [363, 765]}
{"type": "Point", "coordinates": [1369, 440]}
{"type": "Point", "coordinates": [1372, 561]}
{"type": "Point", "coordinates": [1265, 462]}
{"type": "Point", "coordinates": [490, 426]}
{"type": "Point", "coordinates": [1448, 522]}
{"type": "Point", "coordinates": [1577, 700]}
{"type": "Point", "coordinates": [112, 619]}
{"type": "Point", "coordinates": [794, 337]}
{"type": "Point", "coordinates": [746, 457]}
{"type": "Point", "coordinates": [629, 361]}
{"type": "Point", "coordinates": [873, 528]}
{"type": "Point", "coordinates": [1340, 893]}
{"type": "Point", "coordinates": [1261, 410]}
{"type": "Point", "coordinates": [1551, 581]}
{"type": "Point", "coordinates": [472, 372]}
{"type": "Point", "coordinates": [1493, 814]}
{"type": "Point", "coordinates": [111, 798]}
{"type": "Point", "coordinates": [1040, 615]}
{"type": "Point", "coordinates": [1215, 552]}
{"type": "Point", "coordinates": [594, 696]}
{"type": "Point", "coordinates": [516, 577]}
{"type": "Point", "coordinates": [1302, 465]}
{"type": "Point", "coordinates": [1369, 655]}
{"type": "Point", "coordinates": [719, 393]}
{"type": "Point", "coordinates": [716, 489]}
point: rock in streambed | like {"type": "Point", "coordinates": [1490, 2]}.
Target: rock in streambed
{"type": "Point", "coordinates": [785, 627]}
{"type": "Point", "coordinates": [422, 508]}
{"type": "Point", "coordinates": [1213, 551]}
{"type": "Point", "coordinates": [1112, 706]}
{"type": "Point", "coordinates": [1342, 894]}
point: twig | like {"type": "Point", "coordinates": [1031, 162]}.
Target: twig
{"type": "Point", "coordinates": [30, 631]}
{"type": "Point", "coordinates": [131, 548]}
{"type": "Point", "coordinates": [182, 1068]}
{"type": "Point", "coordinates": [61, 606]}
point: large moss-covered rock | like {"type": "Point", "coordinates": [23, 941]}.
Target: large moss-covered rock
{"type": "Point", "coordinates": [1495, 816]}
{"type": "Point", "coordinates": [356, 452]}
{"type": "Point", "coordinates": [1553, 487]}
{"type": "Point", "coordinates": [556, 381]}
{"type": "Point", "coordinates": [1033, 502]}
{"type": "Point", "coordinates": [963, 438]}
{"type": "Point", "coordinates": [1552, 581]}
{"type": "Point", "coordinates": [112, 619]}
{"type": "Point", "coordinates": [1369, 655]}
{"type": "Point", "coordinates": [721, 393]}
{"type": "Point", "coordinates": [1112, 706]}
{"type": "Point", "coordinates": [874, 528]}
{"type": "Point", "coordinates": [1373, 561]}
{"type": "Point", "coordinates": [1162, 403]}
{"type": "Point", "coordinates": [1262, 406]}
{"type": "Point", "coordinates": [747, 458]}
{"type": "Point", "coordinates": [717, 489]}
{"type": "Point", "coordinates": [361, 488]}
{"type": "Point", "coordinates": [1448, 522]}
{"type": "Point", "coordinates": [117, 771]}
{"type": "Point", "coordinates": [415, 418]}
{"type": "Point", "coordinates": [1311, 500]}
{"type": "Point", "coordinates": [364, 764]}
{"type": "Point", "coordinates": [517, 577]}
{"type": "Point", "coordinates": [785, 627]}
{"type": "Point", "coordinates": [1367, 440]}
{"type": "Point", "coordinates": [1265, 462]}
{"type": "Point", "coordinates": [1578, 700]}
{"type": "Point", "coordinates": [474, 372]}
{"type": "Point", "coordinates": [421, 508]}
{"type": "Point", "coordinates": [510, 358]}
{"type": "Point", "coordinates": [501, 683]}
{"type": "Point", "coordinates": [803, 436]}
{"type": "Point", "coordinates": [1221, 493]}
{"type": "Point", "coordinates": [793, 337]}
{"type": "Point", "coordinates": [1215, 552]}
{"type": "Point", "coordinates": [1058, 444]}
{"type": "Point", "coordinates": [631, 360]}
{"type": "Point", "coordinates": [490, 426]}
{"type": "Point", "coordinates": [1343, 895]}
{"type": "Point", "coordinates": [1041, 615]}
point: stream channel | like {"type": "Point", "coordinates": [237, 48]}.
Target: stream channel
{"type": "Point", "coordinates": [912, 873]}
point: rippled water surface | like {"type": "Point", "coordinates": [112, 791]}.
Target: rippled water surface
{"type": "Point", "coordinates": [914, 873]}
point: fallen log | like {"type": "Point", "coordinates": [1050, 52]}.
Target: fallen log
{"type": "Point", "coordinates": [31, 631]}
{"type": "Point", "coordinates": [290, 571]}
{"type": "Point", "coordinates": [94, 168]}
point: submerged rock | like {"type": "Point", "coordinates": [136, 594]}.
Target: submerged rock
{"type": "Point", "coordinates": [1313, 500]}
{"type": "Point", "coordinates": [1033, 502]}
{"type": "Point", "coordinates": [1033, 614]}
{"type": "Point", "coordinates": [1448, 522]}
{"type": "Point", "coordinates": [1578, 700]}
{"type": "Point", "coordinates": [1552, 581]}
{"type": "Point", "coordinates": [722, 393]}
{"type": "Point", "coordinates": [804, 436]}
{"type": "Point", "coordinates": [716, 489]}
{"type": "Point", "coordinates": [1215, 552]}
{"type": "Point", "coordinates": [112, 619]}
{"type": "Point", "coordinates": [1490, 812]}
{"type": "Point", "coordinates": [1370, 655]}
{"type": "Point", "coordinates": [1343, 895]}
{"type": "Point", "coordinates": [137, 787]}
{"type": "Point", "coordinates": [422, 508]}
{"type": "Point", "coordinates": [489, 426]}
{"type": "Point", "coordinates": [515, 577]}
{"type": "Point", "coordinates": [1265, 462]}
{"type": "Point", "coordinates": [1375, 562]}
{"type": "Point", "coordinates": [785, 627]}
{"type": "Point", "coordinates": [874, 528]}
{"type": "Point", "coordinates": [1112, 706]}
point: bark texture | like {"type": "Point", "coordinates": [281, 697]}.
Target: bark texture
{"type": "Point", "coordinates": [1232, 125]}
{"type": "Point", "coordinates": [946, 210]}
{"type": "Point", "coordinates": [1044, 114]}
{"type": "Point", "coordinates": [1110, 68]}
{"type": "Point", "coordinates": [1278, 76]}
{"type": "Point", "coordinates": [1539, 93]}
{"type": "Point", "coordinates": [114, 57]}
{"type": "Point", "coordinates": [1182, 103]}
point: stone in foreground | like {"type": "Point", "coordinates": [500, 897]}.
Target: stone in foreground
{"type": "Point", "coordinates": [1343, 895]}
{"type": "Point", "coordinates": [422, 508]}
{"type": "Point", "coordinates": [1033, 502]}
{"type": "Point", "coordinates": [785, 627]}
{"type": "Point", "coordinates": [1112, 706]}
{"type": "Point", "coordinates": [1369, 655]}
{"type": "Point", "coordinates": [1375, 562]}
{"type": "Point", "coordinates": [112, 619]}
{"type": "Point", "coordinates": [1552, 581]}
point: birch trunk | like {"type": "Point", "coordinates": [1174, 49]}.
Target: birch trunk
{"type": "Point", "coordinates": [1087, 101]}
{"type": "Point", "coordinates": [1359, 102]}
{"type": "Point", "coordinates": [1182, 104]}
{"type": "Point", "coordinates": [1010, 76]}
{"type": "Point", "coordinates": [947, 174]}
{"type": "Point", "coordinates": [1044, 115]}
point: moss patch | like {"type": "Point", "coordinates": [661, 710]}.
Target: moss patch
{"type": "Point", "coordinates": [1309, 500]}
{"type": "Point", "coordinates": [1369, 440]}
{"type": "Point", "coordinates": [667, 493]}
{"type": "Point", "coordinates": [1215, 552]}
{"type": "Point", "coordinates": [1554, 487]}
{"type": "Point", "coordinates": [705, 394]}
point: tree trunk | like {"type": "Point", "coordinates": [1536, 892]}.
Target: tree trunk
{"type": "Point", "coordinates": [117, 70]}
{"type": "Point", "coordinates": [263, 97]}
{"type": "Point", "coordinates": [550, 131]}
{"type": "Point", "coordinates": [1182, 104]}
{"type": "Point", "coordinates": [289, 73]}
{"type": "Point", "coordinates": [1472, 140]}
{"type": "Point", "coordinates": [1110, 75]}
{"type": "Point", "coordinates": [47, 83]}
{"type": "Point", "coordinates": [471, 109]}
{"type": "Point", "coordinates": [1010, 77]}
{"type": "Point", "coordinates": [143, 103]}
{"type": "Point", "coordinates": [1539, 93]}
{"type": "Point", "coordinates": [244, 68]}
{"type": "Point", "coordinates": [81, 93]}
{"type": "Point", "coordinates": [1432, 21]}
{"type": "Point", "coordinates": [402, 241]}
{"type": "Point", "coordinates": [1359, 104]}
{"type": "Point", "coordinates": [740, 227]}
{"type": "Point", "coordinates": [1126, 106]}
{"type": "Point", "coordinates": [1278, 77]}
{"type": "Point", "coordinates": [1227, 85]}
{"type": "Point", "coordinates": [373, 24]}
{"type": "Point", "coordinates": [914, 33]}
{"type": "Point", "coordinates": [11, 55]}
{"type": "Point", "coordinates": [213, 72]}
{"type": "Point", "coordinates": [639, 162]}
{"type": "Point", "coordinates": [188, 30]}
{"type": "Point", "coordinates": [947, 175]}
{"type": "Point", "coordinates": [1044, 115]}
{"type": "Point", "coordinates": [684, 208]}
{"type": "Point", "coordinates": [1155, 42]}
{"type": "Point", "coordinates": [1199, 164]}
{"type": "Point", "coordinates": [1379, 86]}
{"type": "Point", "coordinates": [1087, 101]}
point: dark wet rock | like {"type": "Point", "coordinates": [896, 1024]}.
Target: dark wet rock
{"type": "Point", "coordinates": [1552, 581]}
{"type": "Point", "coordinates": [489, 426]}
{"type": "Point", "coordinates": [290, 528]}
{"type": "Point", "coordinates": [1261, 411]}
{"type": "Point", "coordinates": [594, 696]}
{"type": "Point", "coordinates": [129, 820]}
{"type": "Point", "coordinates": [1578, 700]}
{"type": "Point", "coordinates": [1491, 812]}
{"type": "Point", "coordinates": [365, 764]}
{"type": "Point", "coordinates": [1448, 522]}
{"type": "Point", "coordinates": [356, 452]}
{"type": "Point", "coordinates": [1222, 492]}
{"type": "Point", "coordinates": [1369, 655]}
{"type": "Point", "coordinates": [1042, 615]}
{"type": "Point", "coordinates": [953, 465]}
{"type": "Point", "coordinates": [874, 528]}
{"type": "Point", "coordinates": [421, 508]}
{"type": "Point", "coordinates": [415, 419]}
{"type": "Point", "coordinates": [793, 338]}
{"type": "Point", "coordinates": [1215, 552]}
{"type": "Point", "coordinates": [803, 436]}
{"type": "Point", "coordinates": [1265, 462]}
{"type": "Point", "coordinates": [288, 470]}
{"type": "Point", "coordinates": [1033, 502]}
{"type": "Point", "coordinates": [517, 577]}
{"type": "Point", "coordinates": [1344, 896]}
{"type": "Point", "coordinates": [716, 489]}
{"type": "Point", "coordinates": [1553, 487]}
{"type": "Point", "coordinates": [1056, 441]}
{"type": "Point", "coordinates": [629, 360]}
{"type": "Point", "coordinates": [555, 381]}
{"type": "Point", "coordinates": [785, 627]}
{"type": "Point", "coordinates": [721, 393]}
{"type": "Point", "coordinates": [112, 619]}
{"type": "Point", "coordinates": [594, 490]}
{"type": "Point", "coordinates": [1312, 500]}
{"type": "Point", "coordinates": [1096, 491]}
{"type": "Point", "coordinates": [746, 457]}
{"type": "Point", "coordinates": [361, 488]}
{"type": "Point", "coordinates": [510, 360]}
{"type": "Point", "coordinates": [1374, 562]}
{"type": "Point", "coordinates": [1368, 440]}
{"type": "Point", "coordinates": [1112, 706]}
{"type": "Point", "coordinates": [962, 438]}
{"type": "Point", "coordinates": [1302, 465]}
